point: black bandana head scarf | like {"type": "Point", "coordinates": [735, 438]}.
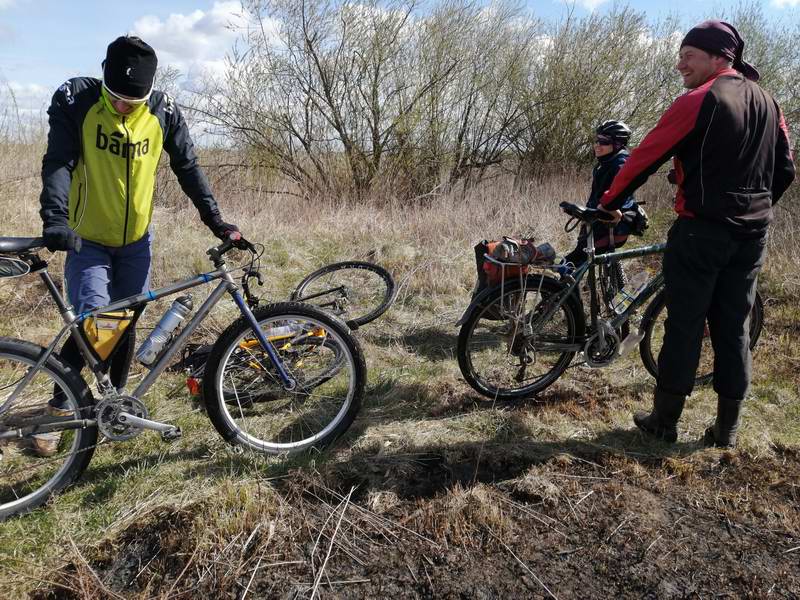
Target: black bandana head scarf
{"type": "Point", "coordinates": [722, 39]}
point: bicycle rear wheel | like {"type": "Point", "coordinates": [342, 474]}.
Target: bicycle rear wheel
{"type": "Point", "coordinates": [653, 325]}
{"type": "Point", "coordinates": [246, 399]}
{"type": "Point", "coordinates": [34, 466]}
{"type": "Point", "coordinates": [355, 291]}
{"type": "Point", "coordinates": [505, 352]}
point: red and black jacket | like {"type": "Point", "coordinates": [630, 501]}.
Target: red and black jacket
{"type": "Point", "coordinates": [731, 152]}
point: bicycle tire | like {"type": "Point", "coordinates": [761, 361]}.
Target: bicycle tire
{"type": "Point", "coordinates": [652, 318]}
{"type": "Point", "coordinates": [258, 424]}
{"type": "Point", "coordinates": [315, 289]}
{"type": "Point", "coordinates": [35, 486]}
{"type": "Point", "coordinates": [569, 312]}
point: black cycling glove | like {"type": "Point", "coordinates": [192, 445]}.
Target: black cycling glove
{"type": "Point", "coordinates": [221, 229]}
{"type": "Point", "coordinates": [61, 237]}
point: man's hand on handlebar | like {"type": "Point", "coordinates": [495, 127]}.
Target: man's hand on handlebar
{"type": "Point", "coordinates": [615, 214]}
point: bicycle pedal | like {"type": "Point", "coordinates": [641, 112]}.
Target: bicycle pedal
{"type": "Point", "coordinates": [172, 434]}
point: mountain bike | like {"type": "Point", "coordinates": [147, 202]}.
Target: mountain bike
{"type": "Point", "coordinates": [283, 378]}
{"type": "Point", "coordinates": [357, 292]}
{"type": "Point", "coordinates": [518, 338]}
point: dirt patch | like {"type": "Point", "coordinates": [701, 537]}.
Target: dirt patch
{"type": "Point", "coordinates": [514, 524]}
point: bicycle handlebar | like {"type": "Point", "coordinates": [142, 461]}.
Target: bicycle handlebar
{"type": "Point", "coordinates": [585, 214]}
{"type": "Point", "coordinates": [235, 240]}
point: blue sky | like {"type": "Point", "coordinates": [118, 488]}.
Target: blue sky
{"type": "Point", "coordinates": [43, 42]}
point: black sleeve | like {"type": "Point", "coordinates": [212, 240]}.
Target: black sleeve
{"type": "Point", "coordinates": [60, 158]}
{"type": "Point", "coordinates": [784, 172]}
{"type": "Point", "coordinates": [183, 161]}
{"type": "Point", "coordinates": [603, 180]}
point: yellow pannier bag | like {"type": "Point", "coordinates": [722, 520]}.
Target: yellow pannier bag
{"type": "Point", "coordinates": [105, 329]}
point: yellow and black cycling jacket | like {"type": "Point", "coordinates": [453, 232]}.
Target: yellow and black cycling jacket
{"type": "Point", "coordinates": [100, 167]}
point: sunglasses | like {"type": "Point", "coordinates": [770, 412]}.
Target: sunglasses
{"type": "Point", "coordinates": [132, 101]}
{"type": "Point", "coordinates": [603, 141]}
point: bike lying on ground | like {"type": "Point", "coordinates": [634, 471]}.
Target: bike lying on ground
{"type": "Point", "coordinates": [283, 378]}
{"type": "Point", "coordinates": [357, 292]}
{"type": "Point", "coordinates": [519, 337]}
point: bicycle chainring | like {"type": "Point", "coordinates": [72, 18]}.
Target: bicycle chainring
{"type": "Point", "coordinates": [107, 412]}
{"type": "Point", "coordinates": [597, 357]}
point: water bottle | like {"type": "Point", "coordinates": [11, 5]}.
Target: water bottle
{"type": "Point", "coordinates": [160, 336]}
{"type": "Point", "coordinates": [628, 294]}
{"type": "Point", "coordinates": [283, 331]}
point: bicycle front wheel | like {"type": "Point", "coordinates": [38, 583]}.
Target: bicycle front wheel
{"type": "Point", "coordinates": [653, 325]}
{"type": "Point", "coordinates": [357, 292]}
{"type": "Point", "coordinates": [505, 350]}
{"type": "Point", "coordinates": [246, 399]}
{"type": "Point", "coordinates": [40, 460]}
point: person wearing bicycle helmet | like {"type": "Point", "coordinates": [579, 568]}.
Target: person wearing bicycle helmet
{"type": "Point", "coordinates": [610, 149]}
{"type": "Point", "coordinates": [733, 162]}
{"type": "Point", "coordinates": [105, 141]}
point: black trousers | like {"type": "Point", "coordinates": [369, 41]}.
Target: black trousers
{"type": "Point", "coordinates": [710, 274]}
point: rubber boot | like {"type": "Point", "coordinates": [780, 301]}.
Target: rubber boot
{"type": "Point", "coordinates": [662, 421]}
{"type": "Point", "coordinates": [722, 434]}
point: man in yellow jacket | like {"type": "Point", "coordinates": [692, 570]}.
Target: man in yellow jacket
{"type": "Point", "coordinates": [98, 173]}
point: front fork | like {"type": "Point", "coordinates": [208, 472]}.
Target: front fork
{"type": "Point", "coordinates": [289, 382]}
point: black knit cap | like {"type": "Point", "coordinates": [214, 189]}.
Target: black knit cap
{"type": "Point", "coordinates": [722, 39]}
{"type": "Point", "coordinates": [129, 67]}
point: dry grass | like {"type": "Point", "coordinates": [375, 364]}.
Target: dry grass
{"type": "Point", "coordinates": [418, 473]}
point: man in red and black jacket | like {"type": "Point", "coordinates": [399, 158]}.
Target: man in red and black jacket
{"type": "Point", "coordinates": [731, 153]}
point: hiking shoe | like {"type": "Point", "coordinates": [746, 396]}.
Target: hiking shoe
{"type": "Point", "coordinates": [46, 444]}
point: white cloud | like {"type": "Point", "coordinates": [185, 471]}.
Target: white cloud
{"type": "Point", "coordinates": [23, 106]}
{"type": "Point", "coordinates": [30, 96]}
{"type": "Point", "coordinates": [785, 3]}
{"type": "Point", "coordinates": [590, 5]}
{"type": "Point", "coordinates": [194, 43]}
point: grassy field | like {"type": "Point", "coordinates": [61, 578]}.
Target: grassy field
{"type": "Point", "coordinates": [435, 492]}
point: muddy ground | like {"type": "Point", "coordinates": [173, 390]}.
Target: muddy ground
{"type": "Point", "coordinates": [482, 521]}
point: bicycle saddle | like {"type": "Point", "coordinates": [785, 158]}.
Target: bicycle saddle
{"type": "Point", "coordinates": [16, 245]}
{"type": "Point", "coordinates": [585, 214]}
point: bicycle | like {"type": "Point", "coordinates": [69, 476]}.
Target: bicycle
{"type": "Point", "coordinates": [283, 378]}
{"type": "Point", "coordinates": [518, 338]}
{"type": "Point", "coordinates": [358, 292]}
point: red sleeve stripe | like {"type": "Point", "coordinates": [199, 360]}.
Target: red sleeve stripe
{"type": "Point", "coordinates": [657, 146]}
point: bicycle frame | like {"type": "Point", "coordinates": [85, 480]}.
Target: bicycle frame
{"type": "Point", "coordinates": [73, 325]}
{"type": "Point", "coordinates": [588, 267]}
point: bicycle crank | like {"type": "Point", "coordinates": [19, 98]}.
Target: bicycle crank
{"type": "Point", "coordinates": [124, 417]}
{"type": "Point", "coordinates": [601, 349]}
{"type": "Point", "coordinates": [109, 411]}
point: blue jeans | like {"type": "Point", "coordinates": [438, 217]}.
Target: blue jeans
{"type": "Point", "coordinates": [97, 276]}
